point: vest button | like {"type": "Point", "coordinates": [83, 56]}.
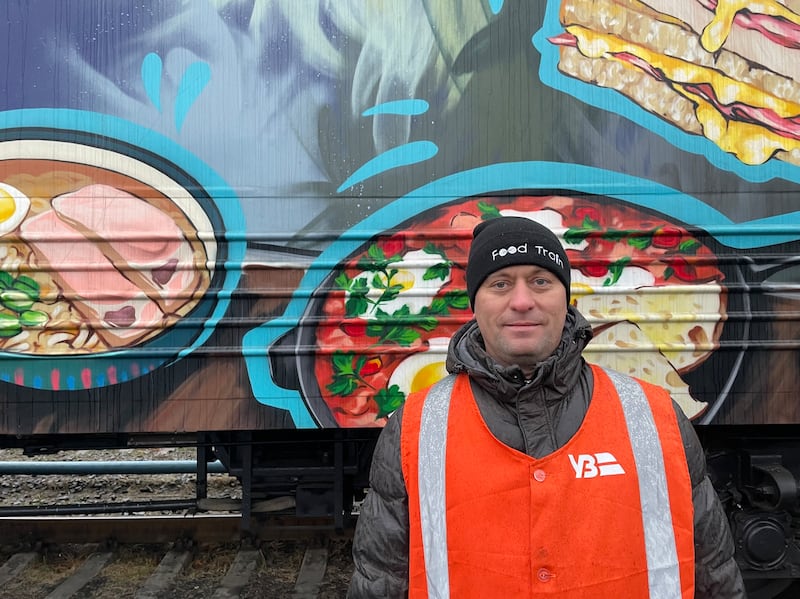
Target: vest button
{"type": "Point", "coordinates": [544, 575]}
{"type": "Point", "coordinates": [539, 475]}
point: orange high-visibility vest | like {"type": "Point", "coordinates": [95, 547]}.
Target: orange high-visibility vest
{"type": "Point", "coordinates": [609, 514]}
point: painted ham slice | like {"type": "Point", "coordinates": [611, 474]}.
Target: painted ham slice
{"type": "Point", "coordinates": [132, 232]}
{"type": "Point", "coordinates": [119, 310]}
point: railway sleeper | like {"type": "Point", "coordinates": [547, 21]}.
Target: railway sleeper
{"type": "Point", "coordinates": [166, 577]}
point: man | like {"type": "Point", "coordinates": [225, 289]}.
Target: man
{"type": "Point", "coordinates": [528, 472]}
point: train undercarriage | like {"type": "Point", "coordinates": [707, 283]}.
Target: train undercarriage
{"type": "Point", "coordinates": [325, 475]}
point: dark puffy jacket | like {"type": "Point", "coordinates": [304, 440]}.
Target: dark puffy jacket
{"type": "Point", "coordinates": [537, 417]}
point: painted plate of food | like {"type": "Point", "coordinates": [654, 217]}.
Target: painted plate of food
{"type": "Point", "coordinates": [378, 325]}
{"type": "Point", "coordinates": [109, 259]}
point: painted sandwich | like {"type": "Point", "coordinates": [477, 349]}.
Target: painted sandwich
{"type": "Point", "coordinates": [728, 70]}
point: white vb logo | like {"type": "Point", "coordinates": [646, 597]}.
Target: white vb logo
{"type": "Point", "coordinates": [599, 464]}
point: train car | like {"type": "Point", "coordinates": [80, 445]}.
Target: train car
{"type": "Point", "coordinates": [244, 225]}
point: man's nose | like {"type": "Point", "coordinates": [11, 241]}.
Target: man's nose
{"type": "Point", "coordinates": [522, 297]}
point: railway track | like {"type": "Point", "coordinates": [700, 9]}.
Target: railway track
{"type": "Point", "coordinates": [139, 534]}
{"type": "Point", "coordinates": [176, 556]}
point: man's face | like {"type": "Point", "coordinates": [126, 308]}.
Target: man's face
{"type": "Point", "coordinates": [521, 312]}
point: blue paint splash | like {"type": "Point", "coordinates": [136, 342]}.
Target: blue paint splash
{"type": "Point", "coordinates": [194, 80]}
{"type": "Point", "coordinates": [152, 68]}
{"type": "Point", "coordinates": [411, 153]}
{"type": "Point", "coordinates": [192, 83]}
{"type": "Point", "coordinates": [401, 107]}
{"type": "Point", "coordinates": [496, 6]}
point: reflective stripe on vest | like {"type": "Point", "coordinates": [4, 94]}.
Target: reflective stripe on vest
{"type": "Point", "coordinates": [664, 577]}
{"type": "Point", "coordinates": [432, 452]}
{"type": "Point", "coordinates": [660, 546]}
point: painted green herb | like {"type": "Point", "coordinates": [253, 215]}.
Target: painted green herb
{"type": "Point", "coordinates": [17, 296]}
{"type": "Point", "coordinates": [388, 400]}
{"type": "Point", "coordinates": [367, 294]}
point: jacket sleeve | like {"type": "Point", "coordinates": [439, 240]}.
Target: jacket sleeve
{"type": "Point", "coordinates": [380, 542]}
{"type": "Point", "coordinates": [717, 574]}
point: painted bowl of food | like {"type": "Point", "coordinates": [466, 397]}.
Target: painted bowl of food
{"type": "Point", "coordinates": [377, 326]}
{"type": "Point", "coordinates": [110, 252]}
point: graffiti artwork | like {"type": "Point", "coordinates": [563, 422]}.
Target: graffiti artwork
{"type": "Point", "coordinates": [224, 215]}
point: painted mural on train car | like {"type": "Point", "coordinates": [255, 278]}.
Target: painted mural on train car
{"type": "Point", "coordinates": [246, 215]}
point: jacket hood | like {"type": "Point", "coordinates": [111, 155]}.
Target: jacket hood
{"type": "Point", "coordinates": [467, 353]}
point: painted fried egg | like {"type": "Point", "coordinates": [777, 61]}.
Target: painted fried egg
{"type": "Point", "coordinates": [14, 206]}
{"type": "Point", "coordinates": [547, 217]}
{"type": "Point", "coordinates": [416, 291]}
{"type": "Point", "coordinates": [631, 277]}
{"type": "Point", "coordinates": [421, 370]}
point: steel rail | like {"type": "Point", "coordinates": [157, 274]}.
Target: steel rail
{"type": "Point", "coordinates": [107, 467]}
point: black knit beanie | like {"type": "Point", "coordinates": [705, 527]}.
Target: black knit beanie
{"type": "Point", "coordinates": [512, 240]}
